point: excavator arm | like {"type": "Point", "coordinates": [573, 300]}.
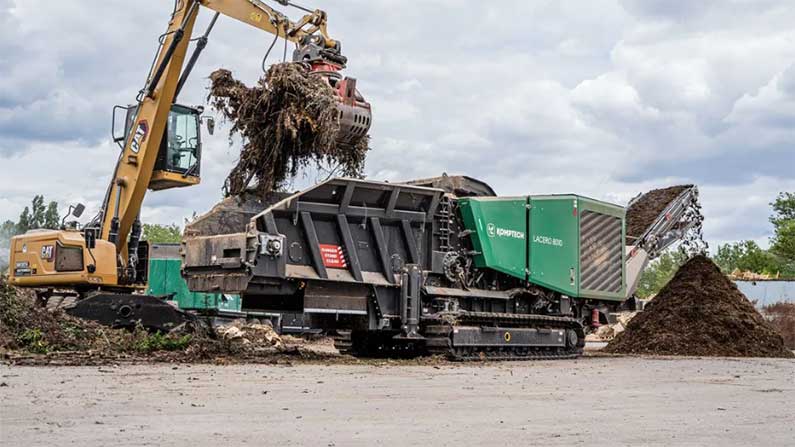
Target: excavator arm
{"type": "Point", "coordinates": [259, 15]}
{"type": "Point", "coordinates": [136, 164]}
{"type": "Point", "coordinates": [133, 175]}
{"type": "Point", "coordinates": [156, 156]}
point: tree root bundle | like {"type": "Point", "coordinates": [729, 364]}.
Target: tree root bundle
{"type": "Point", "coordinates": [288, 121]}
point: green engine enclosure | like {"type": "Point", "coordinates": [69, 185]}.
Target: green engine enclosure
{"type": "Point", "coordinates": [568, 243]}
{"type": "Point", "coordinates": [165, 278]}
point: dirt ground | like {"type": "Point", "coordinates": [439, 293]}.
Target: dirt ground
{"type": "Point", "coordinates": [595, 399]}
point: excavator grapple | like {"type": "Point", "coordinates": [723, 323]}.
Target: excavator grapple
{"type": "Point", "coordinates": [355, 113]}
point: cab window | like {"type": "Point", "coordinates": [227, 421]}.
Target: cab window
{"type": "Point", "coordinates": [182, 143]}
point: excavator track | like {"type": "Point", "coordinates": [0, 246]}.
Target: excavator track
{"type": "Point", "coordinates": [441, 338]}
{"type": "Point", "coordinates": [122, 310]}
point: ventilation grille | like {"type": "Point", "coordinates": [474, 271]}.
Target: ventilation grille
{"type": "Point", "coordinates": [601, 250]}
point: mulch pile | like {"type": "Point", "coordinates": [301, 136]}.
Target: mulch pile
{"type": "Point", "coordinates": [648, 207]}
{"type": "Point", "coordinates": [288, 121]}
{"type": "Point", "coordinates": [700, 312]}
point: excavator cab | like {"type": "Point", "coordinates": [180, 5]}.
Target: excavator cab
{"type": "Point", "coordinates": [178, 160]}
{"type": "Point", "coordinates": [179, 157]}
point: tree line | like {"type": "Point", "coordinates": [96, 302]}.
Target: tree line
{"type": "Point", "coordinates": [37, 215]}
{"type": "Point", "coordinates": [44, 215]}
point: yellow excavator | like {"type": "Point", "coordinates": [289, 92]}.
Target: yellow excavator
{"type": "Point", "coordinates": [101, 267]}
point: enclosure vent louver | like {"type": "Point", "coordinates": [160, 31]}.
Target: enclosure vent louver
{"type": "Point", "coordinates": [601, 249]}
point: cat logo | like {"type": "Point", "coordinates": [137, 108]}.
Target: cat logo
{"type": "Point", "coordinates": [46, 252]}
{"type": "Point", "coordinates": [140, 136]}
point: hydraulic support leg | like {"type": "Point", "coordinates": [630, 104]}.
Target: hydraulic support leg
{"type": "Point", "coordinates": [410, 302]}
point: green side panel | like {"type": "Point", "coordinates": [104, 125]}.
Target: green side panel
{"type": "Point", "coordinates": [165, 278]}
{"type": "Point", "coordinates": [499, 228]}
{"type": "Point", "coordinates": [554, 243]}
{"type": "Point", "coordinates": [157, 277]}
{"type": "Point", "coordinates": [567, 243]}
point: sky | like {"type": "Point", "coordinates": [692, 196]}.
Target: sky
{"type": "Point", "coordinates": [606, 99]}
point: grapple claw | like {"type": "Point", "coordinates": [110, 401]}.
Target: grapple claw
{"type": "Point", "coordinates": [355, 113]}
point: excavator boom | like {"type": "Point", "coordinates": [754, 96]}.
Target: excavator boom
{"type": "Point", "coordinates": [161, 149]}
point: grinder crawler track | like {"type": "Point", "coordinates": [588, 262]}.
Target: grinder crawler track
{"type": "Point", "coordinates": [501, 336]}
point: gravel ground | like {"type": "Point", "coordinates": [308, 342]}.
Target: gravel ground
{"type": "Point", "coordinates": [596, 399]}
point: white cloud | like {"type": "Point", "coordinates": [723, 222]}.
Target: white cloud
{"type": "Point", "coordinates": [606, 98]}
{"type": "Point", "coordinates": [772, 106]}
{"type": "Point", "coordinates": [733, 211]}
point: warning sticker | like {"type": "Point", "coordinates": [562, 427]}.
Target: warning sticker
{"type": "Point", "coordinates": [333, 256]}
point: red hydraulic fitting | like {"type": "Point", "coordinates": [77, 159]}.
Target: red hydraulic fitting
{"type": "Point", "coordinates": [595, 318]}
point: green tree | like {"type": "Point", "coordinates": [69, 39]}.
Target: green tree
{"type": "Point", "coordinates": [783, 244]}
{"type": "Point", "coordinates": [7, 230]}
{"type": "Point", "coordinates": [38, 216]}
{"type": "Point", "coordinates": [747, 256]}
{"type": "Point", "coordinates": [784, 208]}
{"type": "Point", "coordinates": [659, 272]}
{"type": "Point", "coordinates": [38, 212]}
{"type": "Point", "coordinates": [783, 219]}
{"type": "Point", "coordinates": [52, 219]}
{"type": "Point", "coordinates": [162, 234]}
{"type": "Point", "coordinates": [728, 256]}
{"type": "Point", "coordinates": [24, 223]}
